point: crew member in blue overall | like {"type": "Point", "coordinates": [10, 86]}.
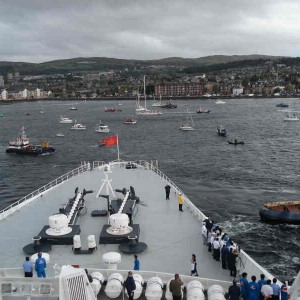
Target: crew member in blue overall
{"type": "Point", "coordinates": [253, 289]}
{"type": "Point", "coordinates": [136, 263]}
{"type": "Point", "coordinates": [40, 266]}
{"type": "Point", "coordinates": [244, 286]}
{"type": "Point", "coordinates": [262, 281]}
{"type": "Point", "coordinates": [284, 293]}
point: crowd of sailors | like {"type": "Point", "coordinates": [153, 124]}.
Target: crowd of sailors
{"type": "Point", "coordinates": [225, 250]}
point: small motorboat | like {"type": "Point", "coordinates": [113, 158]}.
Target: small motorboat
{"type": "Point", "coordinates": [221, 130]}
{"type": "Point", "coordinates": [291, 118]}
{"type": "Point", "coordinates": [102, 128]}
{"type": "Point", "coordinates": [282, 105]}
{"type": "Point", "coordinates": [101, 143]}
{"type": "Point", "coordinates": [78, 126]}
{"type": "Point", "coordinates": [186, 127]}
{"type": "Point", "coordinates": [169, 105]}
{"type": "Point", "coordinates": [129, 121]}
{"type": "Point", "coordinates": [73, 107]}
{"type": "Point", "coordinates": [65, 120]}
{"type": "Point", "coordinates": [220, 102]}
{"type": "Point", "coordinates": [236, 142]}
{"type": "Point", "coordinates": [60, 134]}
{"type": "Point", "coordinates": [202, 110]}
{"type": "Point", "coordinates": [281, 212]}
{"type": "Point", "coordinates": [109, 109]}
{"type": "Point", "coordinates": [27, 114]}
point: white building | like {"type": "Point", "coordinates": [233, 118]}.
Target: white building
{"type": "Point", "coordinates": [4, 95]}
{"type": "Point", "coordinates": [25, 94]}
{"type": "Point", "coordinates": [236, 91]}
{"type": "Point", "coordinates": [37, 93]}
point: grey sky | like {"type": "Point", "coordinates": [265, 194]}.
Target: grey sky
{"type": "Point", "coordinates": [42, 30]}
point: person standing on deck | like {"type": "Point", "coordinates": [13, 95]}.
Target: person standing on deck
{"type": "Point", "coordinates": [40, 266]}
{"type": "Point", "coordinates": [261, 282]}
{"type": "Point", "coordinates": [276, 289]}
{"type": "Point", "coordinates": [234, 291]}
{"type": "Point", "coordinates": [180, 201]}
{"type": "Point", "coordinates": [175, 287]}
{"type": "Point", "coordinates": [284, 292]}
{"type": "Point", "coordinates": [224, 256]}
{"type": "Point", "coordinates": [244, 286]}
{"type": "Point", "coordinates": [204, 234]}
{"type": "Point", "coordinates": [136, 263]}
{"type": "Point", "coordinates": [194, 266]}
{"type": "Point", "coordinates": [167, 188]}
{"type": "Point", "coordinates": [267, 290]}
{"type": "Point", "coordinates": [130, 285]}
{"type": "Point", "coordinates": [27, 266]}
{"type": "Point", "coordinates": [253, 289]}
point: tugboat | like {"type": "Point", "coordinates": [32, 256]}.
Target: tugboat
{"type": "Point", "coordinates": [221, 130]}
{"type": "Point", "coordinates": [21, 146]}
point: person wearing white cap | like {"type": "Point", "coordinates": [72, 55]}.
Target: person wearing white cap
{"type": "Point", "coordinates": [180, 201]}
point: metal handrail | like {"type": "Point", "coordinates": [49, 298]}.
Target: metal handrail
{"type": "Point", "coordinates": [59, 180]}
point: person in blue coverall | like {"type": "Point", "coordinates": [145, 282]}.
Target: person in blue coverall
{"type": "Point", "coordinates": [244, 286]}
{"type": "Point", "coordinates": [253, 289]}
{"type": "Point", "coordinates": [40, 266]}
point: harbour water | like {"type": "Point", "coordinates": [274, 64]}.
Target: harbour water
{"type": "Point", "coordinates": [228, 183]}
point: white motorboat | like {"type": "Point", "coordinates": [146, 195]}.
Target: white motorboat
{"type": "Point", "coordinates": [65, 120]}
{"type": "Point", "coordinates": [78, 126]}
{"type": "Point", "coordinates": [73, 107]}
{"type": "Point", "coordinates": [220, 102]}
{"type": "Point", "coordinates": [78, 231]}
{"type": "Point", "coordinates": [291, 118]}
{"type": "Point", "coordinates": [102, 128]}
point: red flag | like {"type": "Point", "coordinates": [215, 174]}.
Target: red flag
{"type": "Point", "coordinates": [112, 140]}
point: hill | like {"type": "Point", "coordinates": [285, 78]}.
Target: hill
{"type": "Point", "coordinates": [81, 64]}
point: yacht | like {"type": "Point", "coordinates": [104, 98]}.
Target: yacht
{"type": "Point", "coordinates": [189, 124]}
{"type": "Point", "coordinates": [88, 223]}
{"type": "Point", "coordinates": [78, 126]}
{"type": "Point", "coordinates": [145, 111]}
{"type": "Point", "coordinates": [65, 120]}
{"type": "Point", "coordinates": [102, 128]}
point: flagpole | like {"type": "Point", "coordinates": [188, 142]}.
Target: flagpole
{"type": "Point", "coordinates": [118, 147]}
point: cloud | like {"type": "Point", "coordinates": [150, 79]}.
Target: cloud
{"type": "Point", "coordinates": [37, 31]}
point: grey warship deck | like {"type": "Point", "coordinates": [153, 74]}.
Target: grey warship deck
{"type": "Point", "coordinates": [171, 236]}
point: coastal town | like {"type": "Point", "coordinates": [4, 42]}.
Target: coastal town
{"type": "Point", "coordinates": [267, 79]}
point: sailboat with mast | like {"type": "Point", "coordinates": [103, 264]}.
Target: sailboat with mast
{"type": "Point", "coordinates": [189, 124]}
{"type": "Point", "coordinates": [138, 106]}
{"type": "Point", "coordinates": [157, 103]}
{"type": "Point", "coordinates": [147, 112]}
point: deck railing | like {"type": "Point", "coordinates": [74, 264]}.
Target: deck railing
{"type": "Point", "coordinates": [16, 205]}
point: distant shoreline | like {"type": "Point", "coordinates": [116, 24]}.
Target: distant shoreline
{"type": "Point", "coordinates": [149, 99]}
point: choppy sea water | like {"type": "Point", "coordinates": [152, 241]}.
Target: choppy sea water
{"type": "Point", "coordinates": [227, 182]}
